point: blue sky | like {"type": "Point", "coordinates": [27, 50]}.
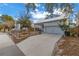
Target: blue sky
{"type": "Point", "coordinates": [12, 9]}
{"type": "Point", "coordinates": [76, 7]}
{"type": "Point", "coordinates": [16, 9]}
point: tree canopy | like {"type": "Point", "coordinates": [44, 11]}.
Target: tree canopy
{"type": "Point", "coordinates": [8, 21]}
{"type": "Point", "coordinates": [66, 8]}
{"type": "Point", "coordinates": [24, 21]}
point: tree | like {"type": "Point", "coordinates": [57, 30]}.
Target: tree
{"type": "Point", "coordinates": [8, 22]}
{"type": "Point", "coordinates": [77, 19]}
{"type": "Point", "coordinates": [65, 7]}
{"type": "Point", "coordinates": [29, 7]}
{"type": "Point", "coordinates": [24, 21]}
{"type": "Point", "coordinates": [68, 9]}
{"type": "Point", "coordinates": [1, 27]}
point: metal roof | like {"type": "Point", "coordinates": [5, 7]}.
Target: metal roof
{"type": "Point", "coordinates": [52, 19]}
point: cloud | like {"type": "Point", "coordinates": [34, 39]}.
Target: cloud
{"type": "Point", "coordinates": [16, 18]}
{"type": "Point", "coordinates": [36, 10]}
{"type": "Point", "coordinates": [38, 15]}
{"type": "Point", "coordinates": [57, 11]}
{"type": "Point", "coordinates": [0, 14]}
{"type": "Point", "coordinates": [37, 5]}
{"type": "Point", "coordinates": [41, 15]}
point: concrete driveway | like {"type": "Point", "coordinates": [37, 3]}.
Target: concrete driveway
{"type": "Point", "coordinates": [39, 45]}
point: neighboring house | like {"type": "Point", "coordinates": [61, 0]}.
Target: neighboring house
{"type": "Point", "coordinates": [50, 25]}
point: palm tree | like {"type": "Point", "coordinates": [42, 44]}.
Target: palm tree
{"type": "Point", "coordinates": [24, 21]}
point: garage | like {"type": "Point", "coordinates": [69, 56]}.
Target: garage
{"type": "Point", "coordinates": [53, 30]}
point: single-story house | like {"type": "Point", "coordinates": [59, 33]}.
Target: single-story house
{"type": "Point", "coordinates": [50, 25]}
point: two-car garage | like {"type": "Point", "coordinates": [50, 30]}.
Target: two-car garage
{"type": "Point", "coordinates": [52, 28]}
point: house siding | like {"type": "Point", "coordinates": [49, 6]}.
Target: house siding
{"type": "Point", "coordinates": [51, 24]}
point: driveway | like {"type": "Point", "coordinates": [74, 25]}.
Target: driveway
{"type": "Point", "coordinates": [39, 45]}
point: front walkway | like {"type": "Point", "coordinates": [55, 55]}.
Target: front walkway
{"type": "Point", "coordinates": [39, 45]}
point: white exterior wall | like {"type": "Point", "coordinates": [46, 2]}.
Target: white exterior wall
{"type": "Point", "coordinates": [51, 24]}
{"type": "Point", "coordinates": [17, 26]}
{"type": "Point", "coordinates": [37, 26]}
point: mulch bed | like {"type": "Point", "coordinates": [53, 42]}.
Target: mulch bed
{"type": "Point", "coordinates": [20, 36]}
{"type": "Point", "coordinates": [67, 46]}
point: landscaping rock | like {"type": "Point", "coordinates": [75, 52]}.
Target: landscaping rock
{"type": "Point", "coordinates": [67, 46]}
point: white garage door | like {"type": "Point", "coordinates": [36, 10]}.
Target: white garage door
{"type": "Point", "coordinates": [55, 30]}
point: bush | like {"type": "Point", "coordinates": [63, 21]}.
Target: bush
{"type": "Point", "coordinates": [67, 33]}
{"type": "Point", "coordinates": [1, 27]}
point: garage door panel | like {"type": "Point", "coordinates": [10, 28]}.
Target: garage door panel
{"type": "Point", "coordinates": [55, 29]}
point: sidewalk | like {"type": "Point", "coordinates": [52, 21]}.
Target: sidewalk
{"type": "Point", "coordinates": [7, 46]}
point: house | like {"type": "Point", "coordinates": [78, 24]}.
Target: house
{"type": "Point", "coordinates": [50, 26]}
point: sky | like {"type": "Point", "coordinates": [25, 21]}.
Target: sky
{"type": "Point", "coordinates": [17, 9]}
{"type": "Point", "coordinates": [12, 9]}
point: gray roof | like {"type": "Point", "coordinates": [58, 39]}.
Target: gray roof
{"type": "Point", "coordinates": [52, 19]}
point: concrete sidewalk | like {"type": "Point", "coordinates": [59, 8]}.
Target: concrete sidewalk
{"type": "Point", "coordinates": [39, 45]}
{"type": "Point", "coordinates": [7, 46]}
{"type": "Point", "coordinates": [5, 40]}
